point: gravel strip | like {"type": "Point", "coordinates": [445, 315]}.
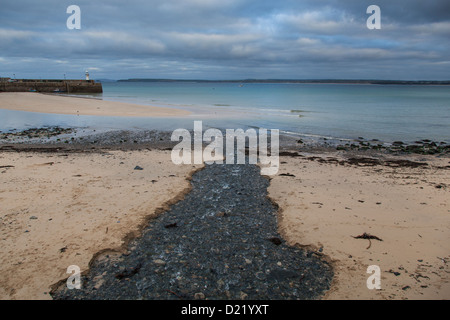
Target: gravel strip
{"type": "Point", "coordinates": [220, 242]}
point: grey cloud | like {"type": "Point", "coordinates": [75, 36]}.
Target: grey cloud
{"type": "Point", "coordinates": [236, 38]}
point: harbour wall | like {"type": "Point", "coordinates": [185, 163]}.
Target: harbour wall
{"type": "Point", "coordinates": [66, 86]}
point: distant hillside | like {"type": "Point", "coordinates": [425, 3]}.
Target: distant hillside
{"type": "Point", "coordinates": [329, 81]}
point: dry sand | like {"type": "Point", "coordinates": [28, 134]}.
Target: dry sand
{"type": "Point", "coordinates": [325, 204]}
{"type": "Point", "coordinates": [48, 103]}
{"type": "Point", "coordinates": [61, 209]}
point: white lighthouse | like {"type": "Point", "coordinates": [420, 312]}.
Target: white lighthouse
{"type": "Point", "coordinates": [87, 75]}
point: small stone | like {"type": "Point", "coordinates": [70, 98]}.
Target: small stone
{"type": "Point", "coordinates": [199, 296]}
{"type": "Point", "coordinates": [98, 282]}
{"type": "Point", "coordinates": [406, 287]}
{"type": "Point", "coordinates": [138, 168]}
{"type": "Point", "coordinates": [243, 295]}
{"type": "Point", "coordinates": [248, 261]}
{"type": "Point", "coordinates": [395, 273]}
{"type": "Point", "coordinates": [33, 217]}
{"type": "Point", "coordinates": [275, 240]}
{"type": "Point", "coordinates": [159, 262]}
{"type": "Point", "coordinates": [171, 225]}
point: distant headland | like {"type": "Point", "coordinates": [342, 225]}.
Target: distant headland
{"type": "Point", "coordinates": [327, 81]}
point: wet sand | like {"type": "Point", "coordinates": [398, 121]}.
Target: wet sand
{"type": "Point", "coordinates": [48, 103]}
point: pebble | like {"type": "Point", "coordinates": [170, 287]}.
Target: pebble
{"type": "Point", "coordinates": [159, 262]}
{"type": "Point", "coordinates": [199, 296]}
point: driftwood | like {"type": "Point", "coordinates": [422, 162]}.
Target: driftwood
{"type": "Point", "coordinates": [368, 237]}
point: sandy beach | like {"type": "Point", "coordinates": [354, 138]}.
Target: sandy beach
{"type": "Point", "coordinates": [326, 200]}
{"type": "Point", "coordinates": [63, 203]}
{"type": "Point", "coordinates": [47, 103]}
{"type": "Point", "coordinates": [61, 209]}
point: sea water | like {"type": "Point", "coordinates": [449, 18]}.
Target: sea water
{"type": "Point", "coordinates": [332, 111]}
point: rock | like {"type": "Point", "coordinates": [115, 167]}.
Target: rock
{"type": "Point", "coordinates": [33, 217]}
{"type": "Point", "coordinates": [138, 168]}
{"type": "Point", "coordinates": [98, 282]}
{"type": "Point", "coordinates": [199, 296]}
{"type": "Point", "coordinates": [395, 272]}
{"type": "Point", "coordinates": [243, 295]}
{"type": "Point", "coordinates": [171, 225]}
{"type": "Point", "coordinates": [275, 240]}
{"type": "Point", "coordinates": [159, 262]}
{"type": "Point", "coordinates": [406, 287]}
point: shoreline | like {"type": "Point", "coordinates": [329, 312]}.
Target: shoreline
{"type": "Point", "coordinates": [69, 105]}
{"type": "Point", "coordinates": [305, 189]}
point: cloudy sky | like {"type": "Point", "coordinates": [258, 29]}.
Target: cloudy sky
{"type": "Point", "coordinates": [226, 39]}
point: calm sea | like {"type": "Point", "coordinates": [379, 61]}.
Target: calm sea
{"type": "Point", "coordinates": [341, 111]}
